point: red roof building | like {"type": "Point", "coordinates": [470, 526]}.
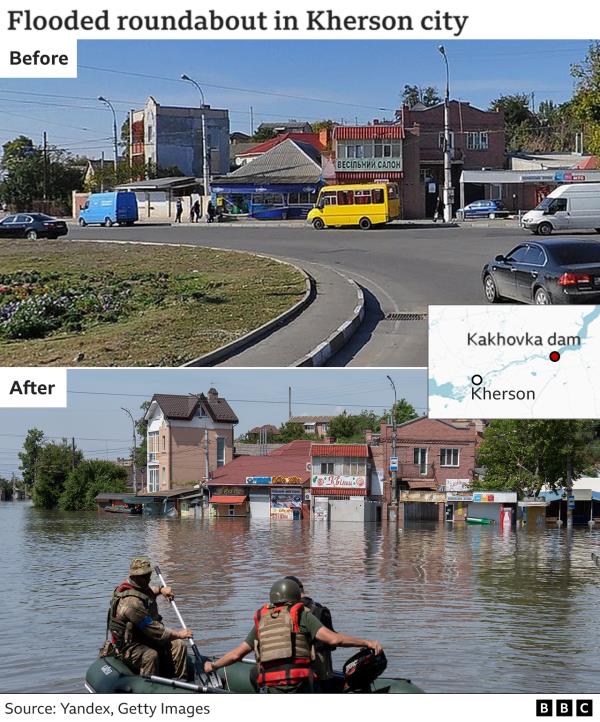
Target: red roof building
{"type": "Point", "coordinates": [261, 148]}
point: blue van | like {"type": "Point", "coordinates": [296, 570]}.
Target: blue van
{"type": "Point", "coordinates": [108, 209]}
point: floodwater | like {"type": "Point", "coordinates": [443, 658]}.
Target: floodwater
{"type": "Point", "coordinates": [457, 608]}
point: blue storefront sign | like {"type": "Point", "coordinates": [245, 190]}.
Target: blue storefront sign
{"type": "Point", "coordinates": [259, 480]}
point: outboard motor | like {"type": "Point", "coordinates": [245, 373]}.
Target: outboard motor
{"type": "Point", "coordinates": [362, 669]}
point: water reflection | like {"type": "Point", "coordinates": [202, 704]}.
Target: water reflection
{"type": "Point", "coordinates": [457, 608]}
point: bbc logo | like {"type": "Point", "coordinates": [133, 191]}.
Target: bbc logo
{"type": "Point", "coordinates": [563, 707]}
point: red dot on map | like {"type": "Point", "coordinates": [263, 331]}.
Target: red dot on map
{"type": "Point", "coordinates": [554, 356]}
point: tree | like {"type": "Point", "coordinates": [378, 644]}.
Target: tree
{"type": "Point", "coordinates": [586, 101]}
{"type": "Point", "coordinates": [404, 412]}
{"type": "Point", "coordinates": [292, 431]}
{"type": "Point", "coordinates": [32, 446]}
{"type": "Point", "coordinates": [525, 455]}
{"type": "Point", "coordinates": [343, 427]}
{"type": "Point", "coordinates": [55, 462]}
{"type": "Point", "coordinates": [262, 134]}
{"type": "Point", "coordinates": [30, 174]}
{"type": "Point", "coordinates": [6, 489]}
{"type": "Point", "coordinates": [87, 480]}
{"type": "Point", "coordinates": [141, 429]}
{"type": "Point", "coordinates": [522, 125]}
{"type": "Point", "coordinates": [413, 94]}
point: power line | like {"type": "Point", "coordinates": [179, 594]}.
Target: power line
{"type": "Point", "coordinates": [250, 401]}
{"type": "Point", "coordinates": [237, 89]}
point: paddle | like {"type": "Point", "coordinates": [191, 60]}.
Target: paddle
{"type": "Point", "coordinates": [211, 680]}
{"type": "Point", "coordinates": [179, 684]}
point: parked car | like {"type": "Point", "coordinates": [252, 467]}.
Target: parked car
{"type": "Point", "coordinates": [483, 209]}
{"type": "Point", "coordinates": [32, 226]}
{"type": "Point", "coordinates": [557, 270]}
{"type": "Point", "coordinates": [108, 209]}
{"type": "Point", "coordinates": [569, 207]}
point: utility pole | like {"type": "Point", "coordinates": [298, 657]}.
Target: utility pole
{"type": "Point", "coordinates": [251, 120]}
{"type": "Point", "coordinates": [73, 452]}
{"type": "Point", "coordinates": [289, 402]}
{"type": "Point", "coordinates": [394, 472]}
{"type": "Point", "coordinates": [533, 101]}
{"type": "Point", "coordinates": [569, 491]}
{"type": "Point", "coordinates": [45, 166]}
{"type": "Point", "coordinates": [115, 139]}
{"type": "Point", "coordinates": [447, 149]}
{"type": "Point", "coordinates": [205, 150]}
{"type": "Point", "coordinates": [131, 144]}
{"type": "Point", "coordinates": [206, 461]}
{"type": "Point", "coordinates": [102, 173]}
{"type": "Point", "coordinates": [133, 451]}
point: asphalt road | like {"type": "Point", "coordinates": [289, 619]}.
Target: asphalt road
{"type": "Point", "coordinates": [403, 269]}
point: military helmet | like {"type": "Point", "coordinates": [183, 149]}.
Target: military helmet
{"type": "Point", "coordinates": [298, 582]}
{"type": "Point", "coordinates": [284, 591]}
{"type": "Point", "coordinates": [140, 566]}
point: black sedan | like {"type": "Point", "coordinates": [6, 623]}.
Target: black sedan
{"type": "Point", "coordinates": [32, 226]}
{"type": "Point", "coordinates": [557, 270]}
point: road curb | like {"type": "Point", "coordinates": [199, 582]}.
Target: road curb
{"type": "Point", "coordinates": [340, 337]}
{"type": "Point", "coordinates": [230, 349]}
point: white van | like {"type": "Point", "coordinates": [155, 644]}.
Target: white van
{"type": "Point", "coordinates": [570, 207]}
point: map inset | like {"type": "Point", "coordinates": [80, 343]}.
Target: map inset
{"type": "Point", "coordinates": [514, 362]}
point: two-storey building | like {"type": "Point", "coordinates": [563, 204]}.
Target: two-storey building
{"type": "Point", "coordinates": [433, 461]}
{"type": "Point", "coordinates": [344, 485]}
{"type": "Point", "coordinates": [477, 142]}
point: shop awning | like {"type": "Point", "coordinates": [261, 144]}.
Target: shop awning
{"type": "Point", "coordinates": [217, 499]}
{"type": "Point", "coordinates": [139, 500]}
{"type": "Point", "coordinates": [427, 484]}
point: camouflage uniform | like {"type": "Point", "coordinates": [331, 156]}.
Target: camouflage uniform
{"type": "Point", "coordinates": [142, 640]}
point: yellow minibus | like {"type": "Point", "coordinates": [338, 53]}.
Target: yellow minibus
{"type": "Point", "coordinates": [363, 205]}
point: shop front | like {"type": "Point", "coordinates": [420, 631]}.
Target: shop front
{"type": "Point", "coordinates": [265, 202]}
{"type": "Point", "coordinates": [343, 498]}
{"type": "Point", "coordinates": [229, 505]}
{"type": "Point", "coordinates": [493, 507]}
{"type": "Point", "coordinates": [277, 497]}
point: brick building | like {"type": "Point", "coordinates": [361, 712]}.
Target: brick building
{"type": "Point", "coordinates": [434, 458]}
{"type": "Point", "coordinates": [477, 140]}
{"type": "Point", "coordinates": [188, 438]}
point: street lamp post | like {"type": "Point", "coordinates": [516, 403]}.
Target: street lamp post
{"type": "Point", "coordinates": [447, 159]}
{"type": "Point", "coordinates": [205, 170]}
{"type": "Point", "coordinates": [394, 472]}
{"type": "Point", "coordinates": [116, 143]}
{"type": "Point", "coordinates": [134, 451]}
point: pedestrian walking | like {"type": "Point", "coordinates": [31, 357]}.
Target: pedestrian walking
{"type": "Point", "coordinates": [438, 209]}
{"type": "Point", "coordinates": [195, 212]}
{"type": "Point", "coordinates": [178, 210]}
{"type": "Point", "coordinates": [210, 212]}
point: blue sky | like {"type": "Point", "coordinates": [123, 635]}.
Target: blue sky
{"type": "Point", "coordinates": [94, 416]}
{"type": "Point", "coordinates": [349, 80]}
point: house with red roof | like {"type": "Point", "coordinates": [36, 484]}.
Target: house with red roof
{"type": "Point", "coordinates": [273, 486]}
{"type": "Point", "coordinates": [249, 154]}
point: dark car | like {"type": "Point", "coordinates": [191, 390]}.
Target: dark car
{"type": "Point", "coordinates": [32, 226]}
{"type": "Point", "coordinates": [557, 270]}
{"type": "Point", "coordinates": [484, 209]}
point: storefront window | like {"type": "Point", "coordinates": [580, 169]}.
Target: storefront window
{"type": "Point", "coordinates": [267, 199]}
{"type": "Point", "coordinates": [297, 199]}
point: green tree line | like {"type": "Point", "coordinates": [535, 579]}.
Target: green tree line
{"type": "Point", "coordinates": [57, 476]}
